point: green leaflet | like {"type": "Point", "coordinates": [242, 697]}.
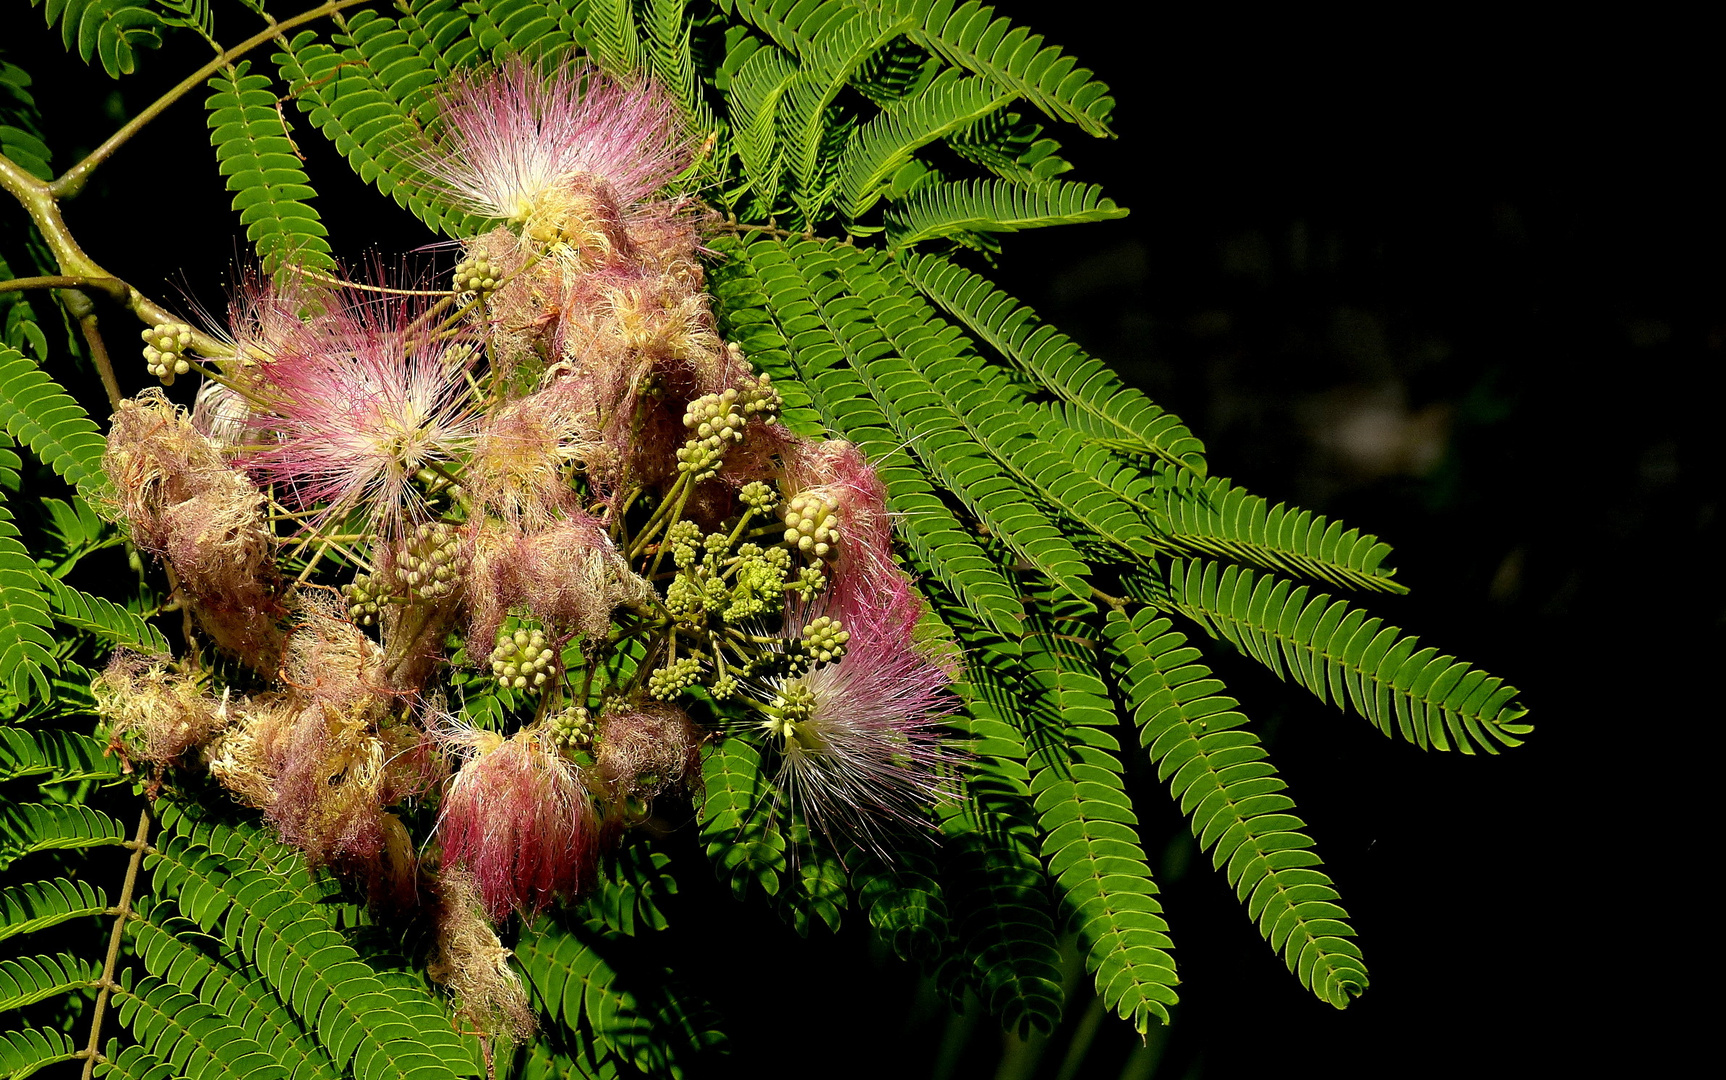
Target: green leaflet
{"type": "Point", "coordinates": [1344, 655]}
{"type": "Point", "coordinates": [30, 979]}
{"type": "Point", "coordinates": [880, 147]}
{"type": "Point", "coordinates": [36, 412]}
{"type": "Point", "coordinates": [991, 206]}
{"type": "Point", "coordinates": [104, 618]}
{"type": "Point", "coordinates": [736, 819]}
{"type": "Point", "coordinates": [1219, 775]}
{"type": "Point", "coordinates": [256, 153]}
{"type": "Point", "coordinates": [1129, 421]}
{"type": "Point", "coordinates": [1212, 516]}
{"type": "Point", "coordinates": [110, 30]}
{"type": "Point", "coordinates": [54, 756]}
{"type": "Point", "coordinates": [37, 905]}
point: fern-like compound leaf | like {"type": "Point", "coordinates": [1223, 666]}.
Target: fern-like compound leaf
{"type": "Point", "coordinates": [737, 819]}
{"type": "Point", "coordinates": [174, 949]}
{"type": "Point", "coordinates": [647, 1027]}
{"type": "Point", "coordinates": [30, 827]}
{"type": "Point", "coordinates": [1128, 419]}
{"type": "Point", "coordinates": [110, 30]}
{"type": "Point", "coordinates": [1211, 516]}
{"type": "Point", "coordinates": [972, 36]}
{"type": "Point", "coordinates": [371, 119]}
{"type": "Point", "coordinates": [1090, 836]}
{"type": "Point", "coordinates": [36, 412]}
{"type": "Point", "coordinates": [1220, 776]}
{"type": "Point", "coordinates": [905, 904]}
{"type": "Point", "coordinates": [53, 756]}
{"type": "Point", "coordinates": [30, 979]}
{"type": "Point", "coordinates": [23, 1053]}
{"type": "Point", "coordinates": [309, 965]}
{"type": "Point", "coordinates": [994, 206]}
{"type": "Point", "coordinates": [83, 611]}
{"type": "Point", "coordinates": [257, 155]}
{"type": "Point", "coordinates": [26, 639]}
{"type": "Point", "coordinates": [1345, 656]}
{"type": "Point", "coordinates": [37, 905]}
{"type": "Point", "coordinates": [882, 146]}
{"type": "Point", "coordinates": [199, 1042]}
{"type": "Point", "coordinates": [939, 371]}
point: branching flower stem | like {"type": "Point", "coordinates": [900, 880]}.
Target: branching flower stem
{"type": "Point", "coordinates": [122, 911]}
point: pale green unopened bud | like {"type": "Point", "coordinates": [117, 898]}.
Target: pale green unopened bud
{"type": "Point", "coordinates": [165, 346]}
{"type": "Point", "coordinates": [477, 276]}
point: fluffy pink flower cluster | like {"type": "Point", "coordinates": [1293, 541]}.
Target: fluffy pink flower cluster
{"type": "Point", "coordinates": [556, 490]}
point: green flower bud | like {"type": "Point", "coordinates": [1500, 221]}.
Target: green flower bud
{"type": "Point", "coordinates": [812, 525]}
{"type": "Point", "coordinates": [671, 680]}
{"type": "Point", "coordinates": [758, 496]}
{"type": "Point", "coordinates": [522, 660]}
{"type": "Point", "coordinates": [824, 640]}
{"type": "Point", "coordinates": [477, 276]}
{"type": "Point", "coordinates": [165, 346]}
{"type": "Point", "coordinates": [363, 597]}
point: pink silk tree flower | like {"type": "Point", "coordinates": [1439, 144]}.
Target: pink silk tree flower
{"type": "Point", "coordinates": [518, 818]}
{"type": "Point", "coordinates": [859, 740]}
{"type": "Point", "coordinates": [567, 154]}
{"type": "Point", "coordinates": [352, 411]}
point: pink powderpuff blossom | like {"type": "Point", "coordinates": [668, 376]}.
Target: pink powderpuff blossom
{"type": "Point", "coordinates": [859, 739]}
{"type": "Point", "coordinates": [356, 407]}
{"type": "Point", "coordinates": [518, 818]}
{"type": "Point", "coordinates": [540, 148]}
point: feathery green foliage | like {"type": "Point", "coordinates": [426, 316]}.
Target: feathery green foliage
{"type": "Point", "coordinates": [856, 154]}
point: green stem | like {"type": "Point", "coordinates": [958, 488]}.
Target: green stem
{"type": "Point", "coordinates": [72, 180]}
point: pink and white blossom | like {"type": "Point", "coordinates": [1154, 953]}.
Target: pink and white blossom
{"type": "Point", "coordinates": [352, 409]}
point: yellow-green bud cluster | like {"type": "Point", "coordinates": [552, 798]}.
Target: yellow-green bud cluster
{"type": "Point", "coordinates": [758, 496]}
{"type": "Point", "coordinates": [824, 640]}
{"type": "Point", "coordinates": [759, 399]}
{"type": "Point", "coordinates": [759, 577]}
{"type": "Point", "coordinates": [477, 276]}
{"type": "Point", "coordinates": [715, 422]}
{"type": "Point", "coordinates": [684, 538]}
{"type": "Point", "coordinates": [363, 598]}
{"type": "Point", "coordinates": [810, 581]}
{"type": "Point", "coordinates": [165, 346]}
{"type": "Point", "coordinates": [433, 563]}
{"type": "Point", "coordinates": [725, 687]}
{"type": "Point", "coordinates": [789, 716]}
{"type": "Point", "coordinates": [812, 525]}
{"type": "Point", "coordinates": [522, 660]}
{"type": "Point", "coordinates": [672, 679]}
{"type": "Point", "coordinates": [571, 729]}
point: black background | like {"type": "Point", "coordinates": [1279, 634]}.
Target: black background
{"type": "Point", "coordinates": [1452, 278]}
